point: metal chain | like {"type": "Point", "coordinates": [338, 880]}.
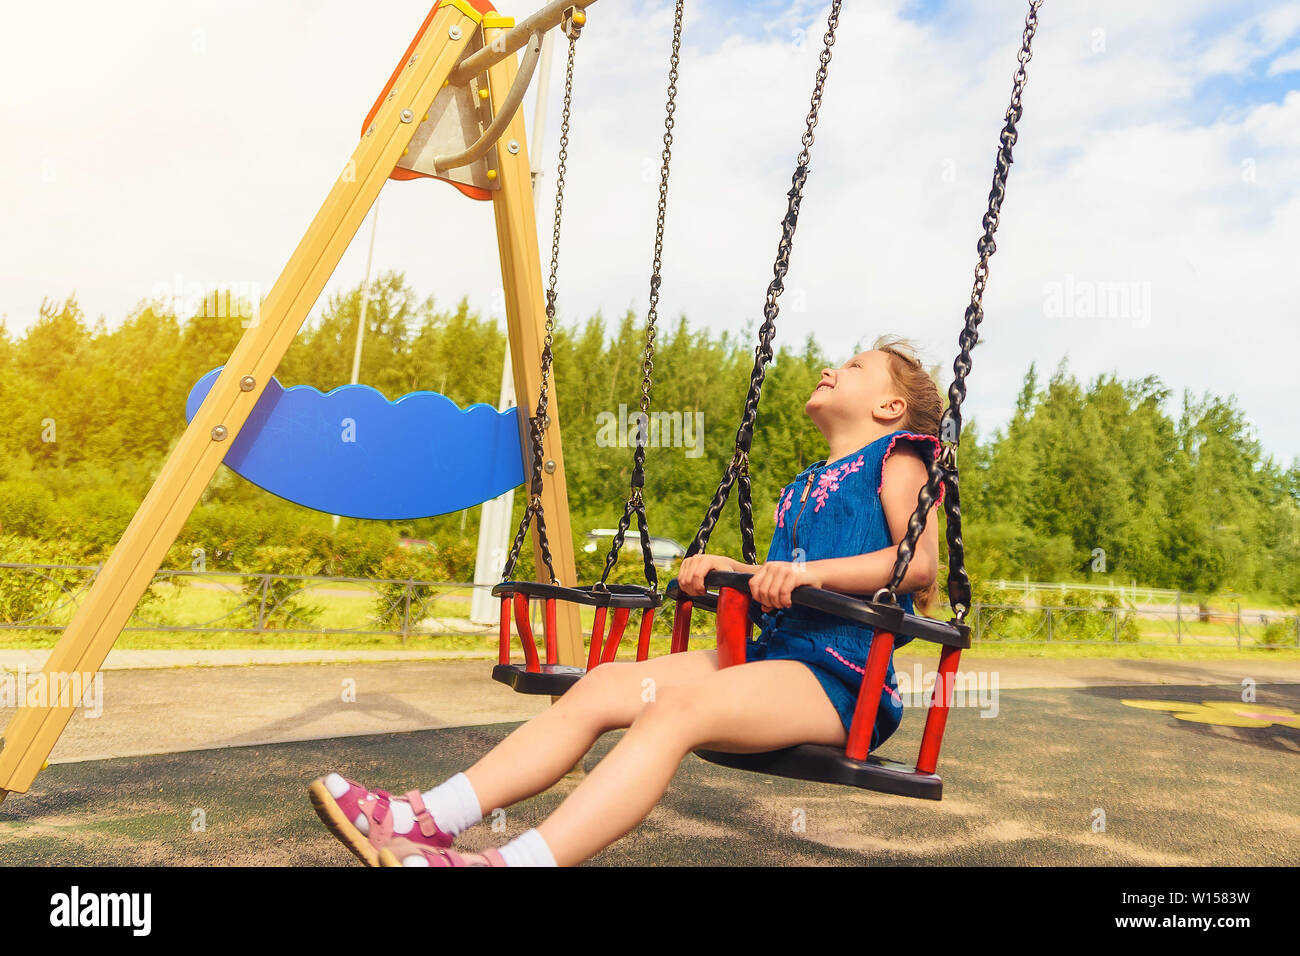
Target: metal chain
{"type": "Point", "coordinates": [738, 469]}
{"type": "Point", "coordinates": [943, 469]}
{"type": "Point", "coordinates": [540, 421]}
{"type": "Point", "coordinates": [636, 503]}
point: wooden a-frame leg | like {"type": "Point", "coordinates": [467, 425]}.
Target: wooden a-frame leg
{"type": "Point", "coordinates": [521, 274]}
{"type": "Point", "coordinates": [33, 731]}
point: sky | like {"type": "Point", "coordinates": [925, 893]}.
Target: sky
{"type": "Point", "coordinates": [1151, 225]}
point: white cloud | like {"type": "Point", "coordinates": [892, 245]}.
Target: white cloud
{"type": "Point", "coordinates": [1253, 37]}
{"type": "Point", "coordinates": [211, 164]}
{"type": "Point", "coordinates": [1278, 24]}
{"type": "Point", "coordinates": [1286, 63]}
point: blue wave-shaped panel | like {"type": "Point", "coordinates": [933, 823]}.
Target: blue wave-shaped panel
{"type": "Point", "coordinates": [352, 452]}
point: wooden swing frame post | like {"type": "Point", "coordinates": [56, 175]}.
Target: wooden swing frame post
{"type": "Point", "coordinates": [521, 276]}
{"type": "Point", "coordinates": [438, 51]}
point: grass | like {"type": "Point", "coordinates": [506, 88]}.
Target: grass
{"type": "Point", "coordinates": [486, 645]}
{"type": "Point", "coordinates": [1093, 650]}
{"type": "Point", "coordinates": [355, 606]}
{"type": "Point", "coordinates": [268, 640]}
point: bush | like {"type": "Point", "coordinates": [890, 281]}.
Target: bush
{"type": "Point", "coordinates": [456, 559]}
{"type": "Point", "coordinates": [1012, 624]}
{"type": "Point", "coordinates": [1280, 632]}
{"type": "Point", "coordinates": [1087, 616]}
{"type": "Point", "coordinates": [95, 517]}
{"type": "Point", "coordinates": [231, 534]}
{"type": "Point", "coordinates": [1001, 616]}
{"type": "Point", "coordinates": [1100, 617]}
{"type": "Point", "coordinates": [44, 595]}
{"type": "Point", "coordinates": [277, 607]}
{"type": "Point", "coordinates": [354, 551]}
{"type": "Point", "coordinates": [228, 536]}
{"type": "Point", "coordinates": [182, 556]}
{"type": "Point", "coordinates": [406, 564]}
{"type": "Point", "coordinates": [29, 596]}
{"type": "Point", "coordinates": [26, 506]}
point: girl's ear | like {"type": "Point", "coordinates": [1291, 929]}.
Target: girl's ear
{"type": "Point", "coordinates": [891, 410]}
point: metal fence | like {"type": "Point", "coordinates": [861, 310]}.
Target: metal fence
{"type": "Point", "coordinates": [1177, 626]}
{"type": "Point", "coordinates": [44, 597]}
{"type": "Point", "coordinates": [1131, 593]}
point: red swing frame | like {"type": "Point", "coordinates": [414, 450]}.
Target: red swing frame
{"type": "Point", "coordinates": [551, 677]}
{"type": "Point", "coordinates": [855, 765]}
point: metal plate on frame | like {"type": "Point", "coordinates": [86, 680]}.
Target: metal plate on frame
{"type": "Point", "coordinates": [456, 120]}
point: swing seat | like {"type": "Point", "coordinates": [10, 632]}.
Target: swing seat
{"type": "Point", "coordinates": [552, 678]}
{"type": "Point", "coordinates": [824, 764]}
{"type": "Point", "coordinates": [851, 766]}
{"type": "Point", "coordinates": [549, 679]}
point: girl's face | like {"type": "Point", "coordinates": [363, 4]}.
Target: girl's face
{"type": "Point", "coordinates": [860, 386]}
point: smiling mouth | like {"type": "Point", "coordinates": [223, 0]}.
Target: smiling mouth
{"type": "Point", "coordinates": [825, 385]}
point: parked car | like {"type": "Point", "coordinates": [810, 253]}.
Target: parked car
{"type": "Point", "coordinates": [663, 551]}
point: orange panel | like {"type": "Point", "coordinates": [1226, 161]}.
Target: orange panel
{"type": "Point", "coordinates": [473, 192]}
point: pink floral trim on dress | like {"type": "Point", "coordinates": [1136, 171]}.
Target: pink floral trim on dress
{"type": "Point", "coordinates": [915, 437]}
{"type": "Point", "coordinates": [829, 480]}
{"type": "Point", "coordinates": [848, 663]}
{"type": "Point", "coordinates": [782, 508]}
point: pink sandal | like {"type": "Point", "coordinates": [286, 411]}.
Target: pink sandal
{"type": "Point", "coordinates": [403, 852]}
{"type": "Point", "coordinates": [341, 803]}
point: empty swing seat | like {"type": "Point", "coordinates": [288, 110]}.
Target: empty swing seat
{"type": "Point", "coordinates": [853, 765]}
{"type": "Point", "coordinates": [552, 678]}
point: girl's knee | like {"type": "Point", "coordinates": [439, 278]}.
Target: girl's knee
{"type": "Point", "coordinates": [607, 692]}
{"type": "Point", "coordinates": [602, 680]}
{"type": "Point", "coordinates": [623, 690]}
{"type": "Point", "coordinates": [678, 707]}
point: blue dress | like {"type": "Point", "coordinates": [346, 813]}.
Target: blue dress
{"type": "Point", "coordinates": [833, 510]}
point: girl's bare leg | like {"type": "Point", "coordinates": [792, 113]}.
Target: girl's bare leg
{"type": "Point", "coordinates": [544, 749]}
{"type": "Point", "coordinates": [759, 706]}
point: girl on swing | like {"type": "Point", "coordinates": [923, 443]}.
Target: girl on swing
{"type": "Point", "coordinates": [836, 527]}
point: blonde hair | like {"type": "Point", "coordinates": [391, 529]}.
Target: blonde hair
{"type": "Point", "coordinates": [924, 406]}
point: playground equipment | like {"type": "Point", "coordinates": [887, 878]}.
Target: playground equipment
{"type": "Point", "coordinates": [352, 452]}
{"type": "Point", "coordinates": [450, 111]}
{"type": "Point", "coordinates": [553, 677]}
{"type": "Point", "coordinates": [460, 75]}
{"type": "Point", "coordinates": [855, 766]}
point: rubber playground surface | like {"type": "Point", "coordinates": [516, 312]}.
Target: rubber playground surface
{"type": "Point", "coordinates": [1062, 775]}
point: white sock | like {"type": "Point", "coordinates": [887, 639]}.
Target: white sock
{"type": "Point", "coordinates": [453, 805]}
{"type": "Point", "coordinates": [528, 850]}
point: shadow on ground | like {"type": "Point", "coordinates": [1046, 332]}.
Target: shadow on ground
{"type": "Point", "coordinates": [1028, 786]}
